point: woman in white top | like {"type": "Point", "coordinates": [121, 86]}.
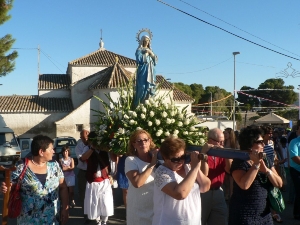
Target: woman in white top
{"type": "Point", "coordinates": [177, 186]}
{"type": "Point", "coordinates": [139, 167]}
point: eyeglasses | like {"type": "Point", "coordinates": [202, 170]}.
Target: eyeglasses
{"type": "Point", "coordinates": [140, 141]}
{"type": "Point", "coordinates": [219, 142]}
{"type": "Point", "coordinates": [178, 159]}
{"type": "Point", "coordinates": [259, 142]}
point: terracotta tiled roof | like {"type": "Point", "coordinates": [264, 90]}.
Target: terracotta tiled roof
{"type": "Point", "coordinates": [103, 58]}
{"type": "Point", "coordinates": [112, 77]}
{"type": "Point", "coordinates": [34, 103]}
{"type": "Point", "coordinates": [163, 83]}
{"type": "Point", "coordinates": [54, 81]}
{"type": "Point", "coordinates": [179, 95]}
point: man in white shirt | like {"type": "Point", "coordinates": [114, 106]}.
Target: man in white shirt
{"type": "Point", "coordinates": [82, 147]}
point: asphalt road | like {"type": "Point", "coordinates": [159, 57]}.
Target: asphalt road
{"type": "Point", "coordinates": [76, 214]}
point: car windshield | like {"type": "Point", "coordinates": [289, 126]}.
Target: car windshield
{"type": "Point", "coordinates": [8, 138]}
{"type": "Point", "coordinates": [69, 142]}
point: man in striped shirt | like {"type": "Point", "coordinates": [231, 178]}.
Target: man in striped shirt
{"type": "Point", "coordinates": [269, 145]}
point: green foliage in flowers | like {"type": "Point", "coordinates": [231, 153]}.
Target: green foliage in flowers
{"type": "Point", "coordinates": [160, 119]}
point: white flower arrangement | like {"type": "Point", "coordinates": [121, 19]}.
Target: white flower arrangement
{"type": "Point", "coordinates": [160, 119]}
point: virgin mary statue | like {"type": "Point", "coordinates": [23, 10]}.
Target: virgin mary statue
{"type": "Point", "coordinates": [145, 77]}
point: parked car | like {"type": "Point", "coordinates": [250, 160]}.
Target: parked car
{"type": "Point", "coordinates": [25, 145]}
{"type": "Point", "coordinates": [59, 142]}
{"type": "Point", "coordinates": [10, 151]}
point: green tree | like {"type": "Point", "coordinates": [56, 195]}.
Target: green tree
{"type": "Point", "coordinates": [184, 87]}
{"type": "Point", "coordinates": [287, 95]}
{"type": "Point", "coordinates": [197, 91]}
{"type": "Point", "coordinates": [249, 101]}
{"type": "Point", "coordinates": [7, 63]}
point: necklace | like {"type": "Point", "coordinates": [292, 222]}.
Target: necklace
{"type": "Point", "coordinates": [37, 163]}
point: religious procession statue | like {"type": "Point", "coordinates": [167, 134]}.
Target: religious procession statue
{"type": "Point", "coordinates": [146, 61]}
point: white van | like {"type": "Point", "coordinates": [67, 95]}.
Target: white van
{"type": "Point", "coordinates": [25, 145]}
{"type": "Point", "coordinates": [9, 148]}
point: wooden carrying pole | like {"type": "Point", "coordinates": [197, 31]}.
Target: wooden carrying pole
{"type": "Point", "coordinates": [227, 153]}
{"type": "Point", "coordinates": [6, 195]}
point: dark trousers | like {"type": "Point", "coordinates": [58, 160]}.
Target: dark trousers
{"type": "Point", "coordinates": [81, 186]}
{"type": "Point", "coordinates": [295, 174]}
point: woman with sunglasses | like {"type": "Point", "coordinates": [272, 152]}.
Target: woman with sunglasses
{"type": "Point", "coordinates": [139, 166]}
{"type": "Point", "coordinates": [252, 179]}
{"type": "Point", "coordinates": [177, 186]}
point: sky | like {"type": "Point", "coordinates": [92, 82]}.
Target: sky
{"type": "Point", "coordinates": [188, 49]}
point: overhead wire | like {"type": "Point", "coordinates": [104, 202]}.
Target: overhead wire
{"type": "Point", "coordinates": [252, 42]}
{"type": "Point", "coordinates": [237, 27]}
{"type": "Point", "coordinates": [201, 69]}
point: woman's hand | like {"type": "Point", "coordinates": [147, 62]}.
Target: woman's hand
{"type": "Point", "coordinates": [254, 156]}
{"type": "Point", "coordinates": [263, 168]}
{"type": "Point", "coordinates": [4, 187]}
{"type": "Point", "coordinates": [195, 162]}
{"type": "Point", "coordinates": [154, 157]}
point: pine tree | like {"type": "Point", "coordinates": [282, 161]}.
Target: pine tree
{"type": "Point", "coordinates": [7, 63]}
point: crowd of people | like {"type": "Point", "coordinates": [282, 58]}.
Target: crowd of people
{"type": "Point", "coordinates": [182, 190]}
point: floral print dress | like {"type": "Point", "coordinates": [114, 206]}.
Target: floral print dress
{"type": "Point", "coordinates": [40, 203]}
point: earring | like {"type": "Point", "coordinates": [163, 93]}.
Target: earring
{"type": "Point", "coordinates": [135, 149]}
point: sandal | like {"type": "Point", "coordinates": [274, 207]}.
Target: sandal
{"type": "Point", "coordinates": [277, 218]}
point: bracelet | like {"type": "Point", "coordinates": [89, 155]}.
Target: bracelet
{"type": "Point", "coordinates": [257, 166]}
{"type": "Point", "coordinates": [269, 173]}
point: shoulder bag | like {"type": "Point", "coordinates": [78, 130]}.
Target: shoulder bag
{"type": "Point", "coordinates": [276, 199]}
{"type": "Point", "coordinates": [274, 196]}
{"type": "Point", "coordinates": [15, 202]}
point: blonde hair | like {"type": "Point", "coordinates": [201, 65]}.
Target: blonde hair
{"type": "Point", "coordinates": [131, 150]}
{"type": "Point", "coordinates": [231, 139]}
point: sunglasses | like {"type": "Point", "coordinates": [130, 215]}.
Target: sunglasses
{"type": "Point", "coordinates": [178, 159]}
{"type": "Point", "coordinates": [259, 142]}
{"type": "Point", "coordinates": [140, 141]}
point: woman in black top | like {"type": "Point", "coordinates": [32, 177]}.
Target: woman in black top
{"type": "Point", "coordinates": [252, 178]}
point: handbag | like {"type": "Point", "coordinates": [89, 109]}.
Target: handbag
{"type": "Point", "coordinates": [14, 201]}
{"type": "Point", "coordinates": [276, 199]}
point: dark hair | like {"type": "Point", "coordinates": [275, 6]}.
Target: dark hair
{"type": "Point", "coordinates": [92, 137]}
{"type": "Point", "coordinates": [171, 146]}
{"type": "Point", "coordinates": [266, 129]}
{"type": "Point", "coordinates": [248, 136]}
{"type": "Point", "coordinates": [65, 148]}
{"type": "Point", "coordinates": [40, 142]}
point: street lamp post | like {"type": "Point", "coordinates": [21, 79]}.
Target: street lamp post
{"type": "Point", "coordinates": [234, 54]}
{"type": "Point", "coordinates": [210, 104]}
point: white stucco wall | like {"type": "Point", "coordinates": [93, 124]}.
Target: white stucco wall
{"type": "Point", "coordinates": [67, 125]}
{"type": "Point", "coordinates": [80, 92]}
{"type": "Point", "coordinates": [97, 105]}
{"type": "Point", "coordinates": [166, 93]}
{"type": "Point", "coordinates": [31, 124]}
{"type": "Point", "coordinates": [79, 72]}
{"type": "Point", "coordinates": [58, 93]}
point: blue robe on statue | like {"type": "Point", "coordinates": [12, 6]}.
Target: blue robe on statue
{"type": "Point", "coordinates": [145, 76]}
